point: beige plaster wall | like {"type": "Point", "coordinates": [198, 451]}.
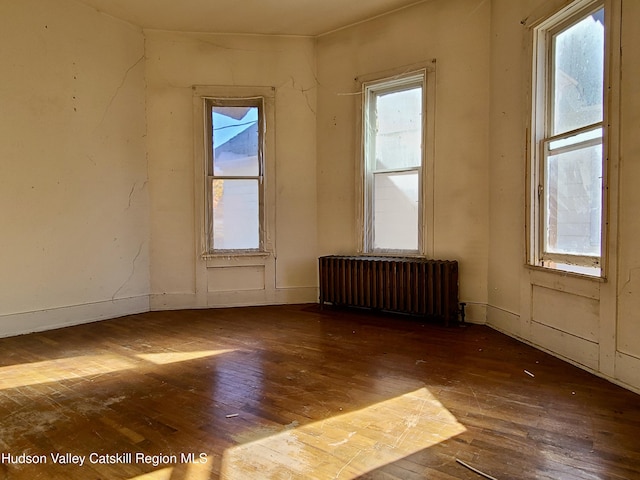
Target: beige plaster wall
{"type": "Point", "coordinates": [628, 319]}
{"type": "Point", "coordinates": [74, 231]}
{"type": "Point", "coordinates": [455, 34]}
{"type": "Point", "coordinates": [590, 322]}
{"type": "Point", "coordinates": [180, 277]}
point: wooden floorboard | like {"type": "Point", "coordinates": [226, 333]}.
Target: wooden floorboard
{"type": "Point", "coordinates": [298, 392]}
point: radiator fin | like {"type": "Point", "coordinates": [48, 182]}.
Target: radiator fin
{"type": "Point", "coordinates": [410, 285]}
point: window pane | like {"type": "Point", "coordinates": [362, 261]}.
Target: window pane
{"type": "Point", "coordinates": [575, 139]}
{"type": "Point", "coordinates": [578, 65]}
{"type": "Point", "coordinates": [398, 129]}
{"type": "Point", "coordinates": [235, 141]}
{"type": "Point", "coordinates": [396, 211]}
{"type": "Point", "coordinates": [236, 214]}
{"type": "Point", "coordinates": [573, 202]}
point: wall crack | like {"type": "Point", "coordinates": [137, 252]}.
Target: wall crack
{"type": "Point", "coordinates": [629, 279]}
{"type": "Point", "coordinates": [132, 191]}
{"type": "Point", "coordinates": [122, 82]}
{"type": "Point", "coordinates": [133, 270]}
{"type": "Point", "coordinates": [303, 91]}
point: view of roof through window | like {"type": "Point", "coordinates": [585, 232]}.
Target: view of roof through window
{"type": "Point", "coordinates": [226, 126]}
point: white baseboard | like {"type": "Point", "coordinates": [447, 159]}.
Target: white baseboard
{"type": "Point", "coordinates": [628, 371]}
{"type": "Point", "coordinates": [504, 321]}
{"type": "Point", "coordinates": [241, 298]}
{"type": "Point", "coordinates": [627, 366]}
{"type": "Point", "coordinates": [173, 301]}
{"type": "Point", "coordinates": [475, 312]}
{"type": "Point", "coordinates": [65, 316]}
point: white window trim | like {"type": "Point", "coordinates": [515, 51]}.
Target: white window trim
{"type": "Point", "coordinates": [426, 210]}
{"type": "Point", "coordinates": [594, 267]}
{"type": "Point", "coordinates": [201, 95]}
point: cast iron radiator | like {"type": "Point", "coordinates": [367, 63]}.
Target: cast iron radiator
{"type": "Point", "coordinates": [409, 285]}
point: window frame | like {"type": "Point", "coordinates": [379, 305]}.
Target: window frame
{"type": "Point", "coordinates": [390, 81]}
{"type": "Point", "coordinates": [211, 177]}
{"type": "Point", "coordinates": [542, 136]}
{"type": "Point", "coordinates": [203, 99]}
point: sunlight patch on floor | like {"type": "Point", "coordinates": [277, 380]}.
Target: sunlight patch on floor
{"type": "Point", "coordinates": [199, 471]}
{"type": "Point", "coordinates": [348, 445]}
{"type": "Point", "coordinates": [193, 471]}
{"type": "Point", "coordinates": [174, 357]}
{"type": "Point", "coordinates": [62, 369]}
{"type": "Point", "coordinates": [87, 366]}
{"type": "Point", "coordinates": [162, 474]}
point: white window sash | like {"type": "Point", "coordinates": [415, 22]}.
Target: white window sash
{"type": "Point", "coordinates": [370, 91]}
{"type": "Point", "coordinates": [238, 102]}
{"type": "Point", "coordinates": [542, 103]}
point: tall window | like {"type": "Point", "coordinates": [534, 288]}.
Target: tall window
{"type": "Point", "coordinates": [568, 140]}
{"type": "Point", "coordinates": [235, 174]}
{"type": "Point", "coordinates": [394, 159]}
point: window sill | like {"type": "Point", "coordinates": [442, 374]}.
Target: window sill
{"type": "Point", "coordinates": [237, 259]}
{"type": "Point", "coordinates": [230, 255]}
{"type": "Point", "coordinates": [393, 253]}
{"type": "Point", "coordinates": [566, 273]}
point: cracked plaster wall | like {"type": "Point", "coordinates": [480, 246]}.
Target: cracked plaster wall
{"type": "Point", "coordinates": [175, 63]}
{"type": "Point", "coordinates": [74, 217]}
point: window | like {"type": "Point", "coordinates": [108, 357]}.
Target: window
{"type": "Point", "coordinates": [394, 158]}
{"type": "Point", "coordinates": [568, 160]}
{"type": "Point", "coordinates": [235, 174]}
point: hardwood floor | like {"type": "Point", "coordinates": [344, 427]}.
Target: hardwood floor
{"type": "Point", "coordinates": [295, 392]}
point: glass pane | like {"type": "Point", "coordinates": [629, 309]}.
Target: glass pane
{"type": "Point", "coordinates": [398, 134]}
{"type": "Point", "coordinates": [575, 139]}
{"type": "Point", "coordinates": [235, 141]}
{"type": "Point", "coordinates": [395, 211]}
{"type": "Point", "coordinates": [236, 214]}
{"type": "Point", "coordinates": [573, 202]}
{"type": "Point", "coordinates": [578, 68]}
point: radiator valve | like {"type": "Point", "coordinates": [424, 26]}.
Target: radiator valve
{"type": "Point", "coordinates": [461, 311]}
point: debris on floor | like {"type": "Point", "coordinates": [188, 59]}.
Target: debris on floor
{"type": "Point", "coordinates": [473, 469]}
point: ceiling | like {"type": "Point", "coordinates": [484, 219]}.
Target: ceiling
{"type": "Point", "coordinates": [267, 17]}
